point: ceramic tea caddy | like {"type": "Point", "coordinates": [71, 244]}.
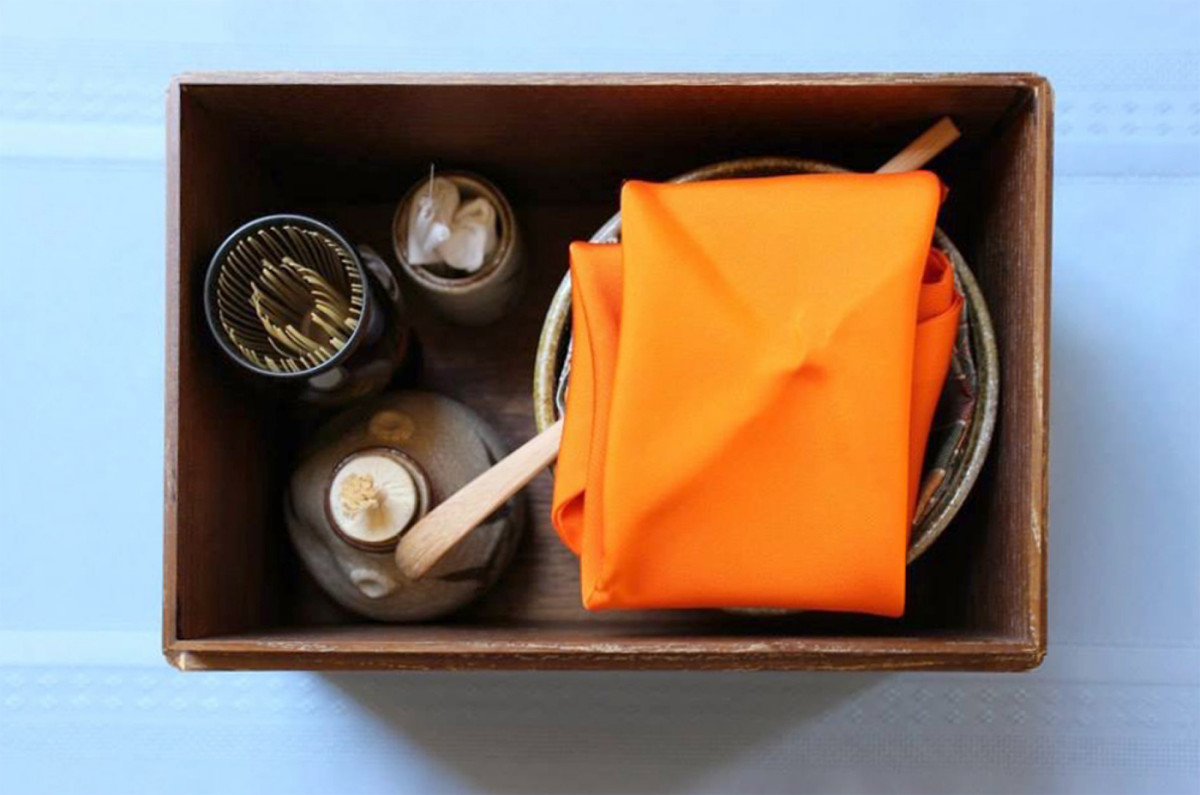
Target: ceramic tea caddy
{"type": "Point", "coordinates": [367, 475]}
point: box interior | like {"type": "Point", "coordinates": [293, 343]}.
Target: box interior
{"type": "Point", "coordinates": [347, 152]}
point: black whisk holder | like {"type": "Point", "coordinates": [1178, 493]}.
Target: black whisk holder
{"type": "Point", "coordinates": [291, 302]}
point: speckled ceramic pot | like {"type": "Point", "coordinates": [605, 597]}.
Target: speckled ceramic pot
{"type": "Point", "coordinates": [392, 459]}
{"type": "Point", "coordinates": [966, 415]}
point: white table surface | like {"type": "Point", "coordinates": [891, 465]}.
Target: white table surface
{"type": "Point", "coordinates": [87, 704]}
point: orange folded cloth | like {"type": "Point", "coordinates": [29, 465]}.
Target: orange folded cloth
{"type": "Point", "coordinates": [754, 372]}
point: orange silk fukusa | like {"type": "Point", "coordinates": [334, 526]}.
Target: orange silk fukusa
{"type": "Point", "coordinates": [754, 372]}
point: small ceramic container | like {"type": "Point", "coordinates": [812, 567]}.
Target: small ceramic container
{"type": "Point", "coordinates": [380, 343]}
{"type": "Point", "coordinates": [367, 476]}
{"type": "Point", "coordinates": [470, 299]}
{"type": "Point", "coordinates": [966, 414]}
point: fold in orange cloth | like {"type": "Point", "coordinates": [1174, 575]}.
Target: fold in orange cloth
{"type": "Point", "coordinates": [755, 369]}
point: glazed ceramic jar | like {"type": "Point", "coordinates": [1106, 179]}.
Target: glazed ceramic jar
{"type": "Point", "coordinates": [367, 476]}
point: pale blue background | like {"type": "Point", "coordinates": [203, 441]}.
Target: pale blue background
{"type": "Point", "coordinates": [87, 705]}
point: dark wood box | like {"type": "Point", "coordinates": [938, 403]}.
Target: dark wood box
{"type": "Point", "coordinates": [345, 148]}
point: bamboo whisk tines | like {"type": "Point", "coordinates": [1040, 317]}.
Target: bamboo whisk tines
{"type": "Point", "coordinates": [288, 298]}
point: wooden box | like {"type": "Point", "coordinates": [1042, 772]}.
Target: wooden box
{"type": "Point", "coordinates": [346, 147]}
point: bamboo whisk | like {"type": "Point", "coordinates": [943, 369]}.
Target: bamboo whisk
{"type": "Point", "coordinates": [288, 298]}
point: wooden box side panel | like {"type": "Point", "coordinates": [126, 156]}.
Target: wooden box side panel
{"type": "Point", "coordinates": [218, 575]}
{"type": "Point", "coordinates": [1013, 265]}
{"type": "Point", "coordinates": [563, 136]}
{"type": "Point", "coordinates": [558, 646]}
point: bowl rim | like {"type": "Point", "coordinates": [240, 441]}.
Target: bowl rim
{"type": "Point", "coordinates": [982, 335]}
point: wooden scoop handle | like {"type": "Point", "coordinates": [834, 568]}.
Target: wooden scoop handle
{"type": "Point", "coordinates": [926, 147]}
{"type": "Point", "coordinates": [438, 531]}
{"type": "Point", "coordinates": [447, 524]}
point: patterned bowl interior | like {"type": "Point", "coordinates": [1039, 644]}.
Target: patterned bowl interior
{"type": "Point", "coordinates": [966, 413]}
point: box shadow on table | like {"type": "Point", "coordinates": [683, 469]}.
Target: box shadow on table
{"type": "Point", "coordinates": [595, 732]}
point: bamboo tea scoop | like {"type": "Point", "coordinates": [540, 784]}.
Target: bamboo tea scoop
{"type": "Point", "coordinates": [434, 535]}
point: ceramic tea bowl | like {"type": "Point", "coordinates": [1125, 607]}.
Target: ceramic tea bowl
{"type": "Point", "coordinates": [966, 413]}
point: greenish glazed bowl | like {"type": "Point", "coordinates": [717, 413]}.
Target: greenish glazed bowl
{"type": "Point", "coordinates": [966, 414]}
